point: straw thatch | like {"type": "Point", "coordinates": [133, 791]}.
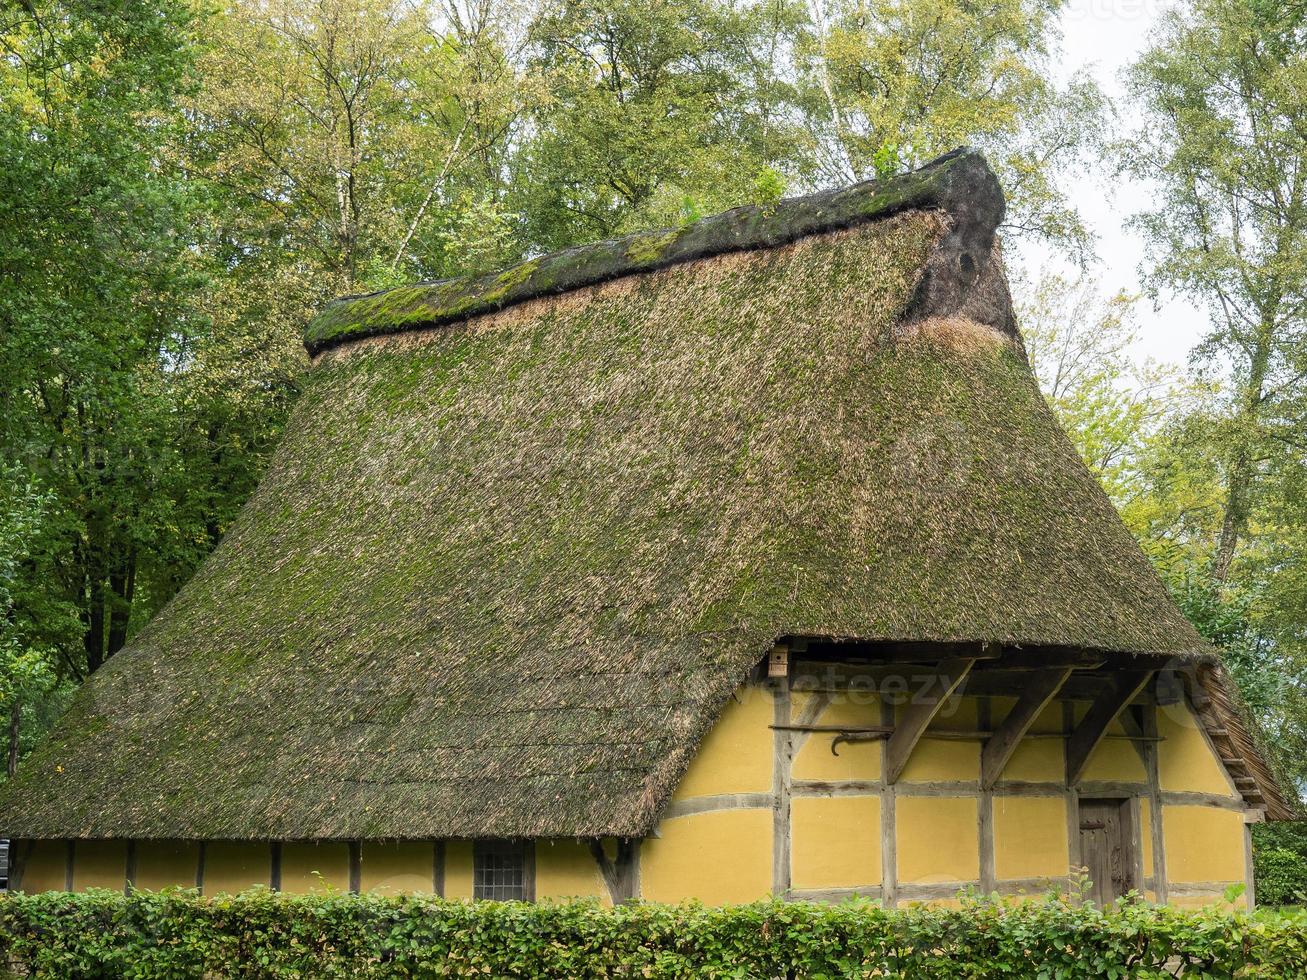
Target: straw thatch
{"type": "Point", "coordinates": [502, 576]}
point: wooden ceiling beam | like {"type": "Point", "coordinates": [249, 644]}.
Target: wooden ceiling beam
{"type": "Point", "coordinates": [1041, 688]}
{"type": "Point", "coordinates": [1080, 746]}
{"type": "Point", "coordinates": [921, 710]}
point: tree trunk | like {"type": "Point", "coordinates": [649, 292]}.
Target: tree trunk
{"type": "Point", "coordinates": [122, 586]}
{"type": "Point", "coordinates": [1240, 469]}
{"type": "Point", "coordinates": [93, 618]}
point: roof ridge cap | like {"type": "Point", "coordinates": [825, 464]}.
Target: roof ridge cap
{"type": "Point", "coordinates": [959, 182]}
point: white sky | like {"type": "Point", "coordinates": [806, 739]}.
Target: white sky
{"type": "Point", "coordinates": [1105, 36]}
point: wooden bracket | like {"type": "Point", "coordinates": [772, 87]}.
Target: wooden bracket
{"type": "Point", "coordinates": [1089, 733]}
{"type": "Point", "coordinates": [1040, 690]}
{"type": "Point", "coordinates": [920, 712]}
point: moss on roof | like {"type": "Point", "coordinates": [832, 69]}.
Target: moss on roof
{"type": "Point", "coordinates": [954, 183]}
{"type": "Point", "coordinates": [501, 577]}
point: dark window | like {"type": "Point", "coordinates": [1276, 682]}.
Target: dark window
{"type": "Point", "coordinates": [502, 871]}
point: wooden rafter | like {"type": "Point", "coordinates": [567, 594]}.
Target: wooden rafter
{"type": "Point", "coordinates": [920, 712]}
{"type": "Point", "coordinates": [1041, 688]}
{"type": "Point", "coordinates": [1080, 746]}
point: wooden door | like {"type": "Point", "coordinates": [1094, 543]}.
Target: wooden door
{"type": "Point", "coordinates": [1107, 848]}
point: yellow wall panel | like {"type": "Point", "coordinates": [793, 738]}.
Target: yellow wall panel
{"type": "Point", "coordinates": [1048, 722]}
{"type": "Point", "coordinates": [937, 759]}
{"type": "Point", "coordinates": [835, 842]}
{"type": "Point", "coordinates": [100, 864]}
{"type": "Point", "coordinates": [314, 868]}
{"type": "Point", "coordinates": [402, 868]}
{"type": "Point", "coordinates": [1038, 760]}
{"type": "Point", "coordinates": [736, 757]}
{"type": "Point", "coordinates": [166, 864]}
{"type": "Point", "coordinates": [1184, 759]}
{"type": "Point", "coordinates": [46, 867]}
{"type": "Point", "coordinates": [1202, 900]}
{"type": "Point", "coordinates": [1115, 760]}
{"type": "Point", "coordinates": [1030, 837]}
{"type": "Point", "coordinates": [1203, 843]}
{"type": "Point", "coordinates": [937, 839]}
{"type": "Point", "coordinates": [567, 869]}
{"type": "Point", "coordinates": [857, 760]}
{"type": "Point", "coordinates": [458, 869]}
{"type": "Point", "coordinates": [720, 856]}
{"type": "Point", "coordinates": [231, 867]}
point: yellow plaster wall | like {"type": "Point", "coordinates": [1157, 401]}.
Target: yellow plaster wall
{"type": "Point", "coordinates": [1115, 760]}
{"type": "Point", "coordinates": [1184, 760]}
{"type": "Point", "coordinates": [1036, 760]}
{"type": "Point", "coordinates": [720, 856]}
{"type": "Point", "coordinates": [567, 869]}
{"type": "Point", "coordinates": [937, 759]}
{"type": "Point", "coordinates": [736, 756]}
{"type": "Point", "coordinates": [402, 868]}
{"type": "Point", "coordinates": [458, 869]}
{"type": "Point", "coordinates": [46, 867]}
{"type": "Point", "coordinates": [1030, 837]}
{"type": "Point", "coordinates": [937, 839]}
{"type": "Point", "coordinates": [835, 842]}
{"type": "Point", "coordinates": [100, 864]}
{"type": "Point", "coordinates": [1201, 901]}
{"type": "Point", "coordinates": [231, 867]}
{"type": "Point", "coordinates": [1203, 843]}
{"type": "Point", "coordinates": [309, 868]}
{"type": "Point", "coordinates": [856, 760]}
{"type": "Point", "coordinates": [166, 864]}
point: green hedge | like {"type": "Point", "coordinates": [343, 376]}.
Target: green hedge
{"type": "Point", "coordinates": [261, 934]}
{"type": "Point", "coordinates": [1280, 862]}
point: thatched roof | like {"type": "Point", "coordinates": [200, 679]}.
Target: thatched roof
{"type": "Point", "coordinates": [503, 575]}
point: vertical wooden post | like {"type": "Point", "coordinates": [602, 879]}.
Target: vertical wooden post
{"type": "Point", "coordinates": [199, 868]}
{"type": "Point", "coordinates": [438, 868]}
{"type": "Point", "coordinates": [1161, 887]}
{"type": "Point", "coordinates": [274, 872]}
{"type": "Point", "coordinates": [1075, 860]}
{"type": "Point", "coordinates": [130, 877]}
{"type": "Point", "coordinates": [355, 867]}
{"type": "Point", "coordinates": [70, 858]}
{"type": "Point", "coordinates": [781, 784]}
{"type": "Point", "coordinates": [889, 868]}
{"type": "Point", "coordinates": [985, 816]}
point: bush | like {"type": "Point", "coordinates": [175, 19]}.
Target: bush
{"type": "Point", "coordinates": [262, 934]}
{"type": "Point", "coordinates": [1281, 876]}
{"type": "Point", "coordinates": [1280, 862]}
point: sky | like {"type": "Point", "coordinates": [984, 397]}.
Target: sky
{"type": "Point", "coordinates": [1104, 36]}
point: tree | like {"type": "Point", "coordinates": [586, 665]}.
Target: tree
{"type": "Point", "coordinates": [890, 84]}
{"type": "Point", "coordinates": [655, 112]}
{"type": "Point", "coordinates": [1225, 144]}
{"type": "Point", "coordinates": [92, 311]}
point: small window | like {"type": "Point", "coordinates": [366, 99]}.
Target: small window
{"type": "Point", "coordinates": [502, 871]}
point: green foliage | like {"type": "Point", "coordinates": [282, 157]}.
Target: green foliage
{"type": "Point", "coordinates": [1280, 863]}
{"type": "Point", "coordinates": [1221, 88]}
{"type": "Point", "coordinates": [263, 934]}
{"type": "Point", "coordinates": [1281, 876]}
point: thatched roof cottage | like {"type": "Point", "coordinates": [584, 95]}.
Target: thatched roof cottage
{"type": "Point", "coordinates": [732, 560]}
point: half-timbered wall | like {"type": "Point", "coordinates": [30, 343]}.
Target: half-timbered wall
{"type": "Point", "coordinates": [779, 800]}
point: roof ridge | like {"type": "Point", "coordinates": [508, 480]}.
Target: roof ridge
{"type": "Point", "coordinates": [959, 182]}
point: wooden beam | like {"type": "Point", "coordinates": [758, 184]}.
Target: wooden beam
{"type": "Point", "coordinates": [1042, 688]}
{"type": "Point", "coordinates": [921, 710]}
{"type": "Point", "coordinates": [1089, 733]}
{"type": "Point", "coordinates": [1033, 658]}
